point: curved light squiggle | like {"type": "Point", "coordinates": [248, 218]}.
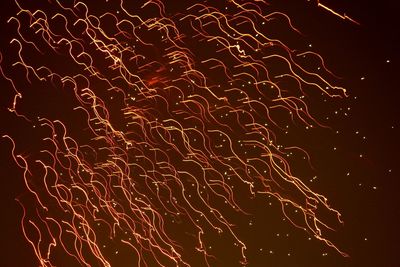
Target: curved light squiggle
{"type": "Point", "coordinates": [182, 108]}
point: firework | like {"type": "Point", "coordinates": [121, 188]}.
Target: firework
{"type": "Point", "coordinates": [162, 127]}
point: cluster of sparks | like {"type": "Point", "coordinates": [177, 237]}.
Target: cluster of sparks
{"type": "Point", "coordinates": [181, 106]}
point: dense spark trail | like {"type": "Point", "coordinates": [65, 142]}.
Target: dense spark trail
{"type": "Point", "coordinates": [170, 118]}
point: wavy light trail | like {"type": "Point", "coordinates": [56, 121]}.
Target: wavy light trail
{"type": "Point", "coordinates": [171, 119]}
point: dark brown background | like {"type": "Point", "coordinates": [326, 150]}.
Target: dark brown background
{"type": "Point", "coordinates": [352, 52]}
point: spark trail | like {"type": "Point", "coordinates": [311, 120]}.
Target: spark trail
{"type": "Point", "coordinates": [170, 117]}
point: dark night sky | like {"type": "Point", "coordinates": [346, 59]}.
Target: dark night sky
{"type": "Point", "coordinates": [357, 168]}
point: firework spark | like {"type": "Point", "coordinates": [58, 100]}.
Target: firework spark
{"type": "Point", "coordinates": [170, 117]}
